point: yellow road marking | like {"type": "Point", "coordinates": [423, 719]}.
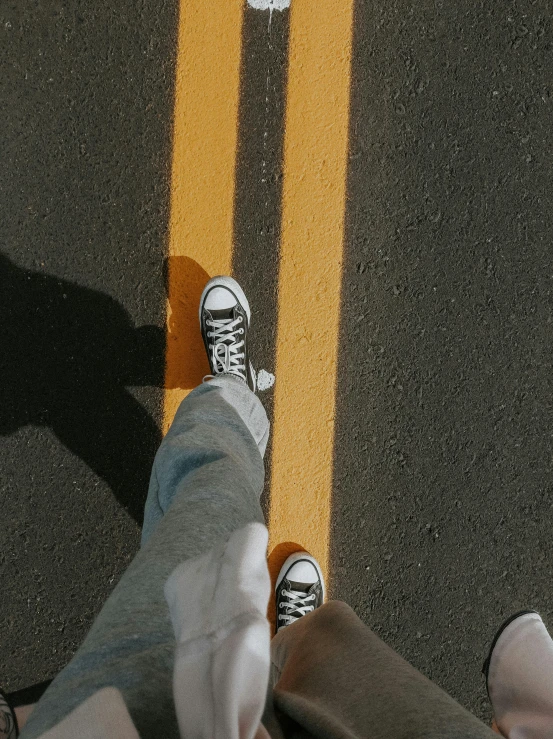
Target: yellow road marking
{"type": "Point", "coordinates": [202, 181]}
{"type": "Point", "coordinates": [314, 196]}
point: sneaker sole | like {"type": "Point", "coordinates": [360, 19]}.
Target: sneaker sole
{"type": "Point", "coordinates": [230, 284]}
{"type": "Point", "coordinates": [292, 559]}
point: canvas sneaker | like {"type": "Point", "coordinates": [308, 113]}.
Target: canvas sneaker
{"type": "Point", "coordinates": [299, 588]}
{"type": "Point", "coordinates": [225, 322]}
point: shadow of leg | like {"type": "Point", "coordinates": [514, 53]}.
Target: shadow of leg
{"type": "Point", "coordinates": [186, 362]}
{"type": "Point", "coordinates": [113, 434]}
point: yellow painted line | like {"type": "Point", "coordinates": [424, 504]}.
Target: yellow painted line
{"type": "Point", "coordinates": [314, 197]}
{"type": "Point", "coordinates": [202, 180]}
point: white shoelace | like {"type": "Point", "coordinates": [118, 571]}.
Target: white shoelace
{"type": "Point", "coordinates": [225, 346]}
{"type": "Point", "coordinates": [298, 602]}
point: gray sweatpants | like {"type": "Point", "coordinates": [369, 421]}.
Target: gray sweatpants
{"type": "Point", "coordinates": [332, 676]}
{"type": "Point", "coordinates": [207, 477]}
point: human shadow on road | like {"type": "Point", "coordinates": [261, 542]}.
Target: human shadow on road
{"type": "Point", "coordinates": [68, 355]}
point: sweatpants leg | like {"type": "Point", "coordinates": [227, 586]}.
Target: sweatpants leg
{"type": "Point", "coordinates": [206, 482]}
{"type": "Point", "coordinates": [335, 679]}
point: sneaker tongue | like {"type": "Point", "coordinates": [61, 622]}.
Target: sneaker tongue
{"type": "Point", "coordinates": [222, 314]}
{"type": "Point", "coordinates": [301, 587]}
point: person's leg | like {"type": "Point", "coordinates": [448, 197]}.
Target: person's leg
{"type": "Point", "coordinates": [182, 450]}
{"type": "Point", "coordinates": [333, 678]}
{"type": "Point", "coordinates": [206, 483]}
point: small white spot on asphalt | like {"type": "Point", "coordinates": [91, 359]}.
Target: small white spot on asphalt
{"type": "Point", "coordinates": [269, 4]}
{"type": "Point", "coordinates": [265, 380]}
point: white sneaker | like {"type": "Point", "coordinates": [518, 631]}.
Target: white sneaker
{"type": "Point", "coordinates": [224, 322]}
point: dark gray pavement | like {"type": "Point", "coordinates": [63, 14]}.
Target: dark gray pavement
{"type": "Point", "coordinates": [442, 503]}
{"type": "Point", "coordinates": [87, 98]}
{"type": "Point", "coordinates": [444, 464]}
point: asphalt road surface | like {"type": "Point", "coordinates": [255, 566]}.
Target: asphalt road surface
{"type": "Point", "coordinates": [443, 455]}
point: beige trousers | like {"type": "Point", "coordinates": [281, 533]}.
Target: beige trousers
{"type": "Point", "coordinates": [333, 678]}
